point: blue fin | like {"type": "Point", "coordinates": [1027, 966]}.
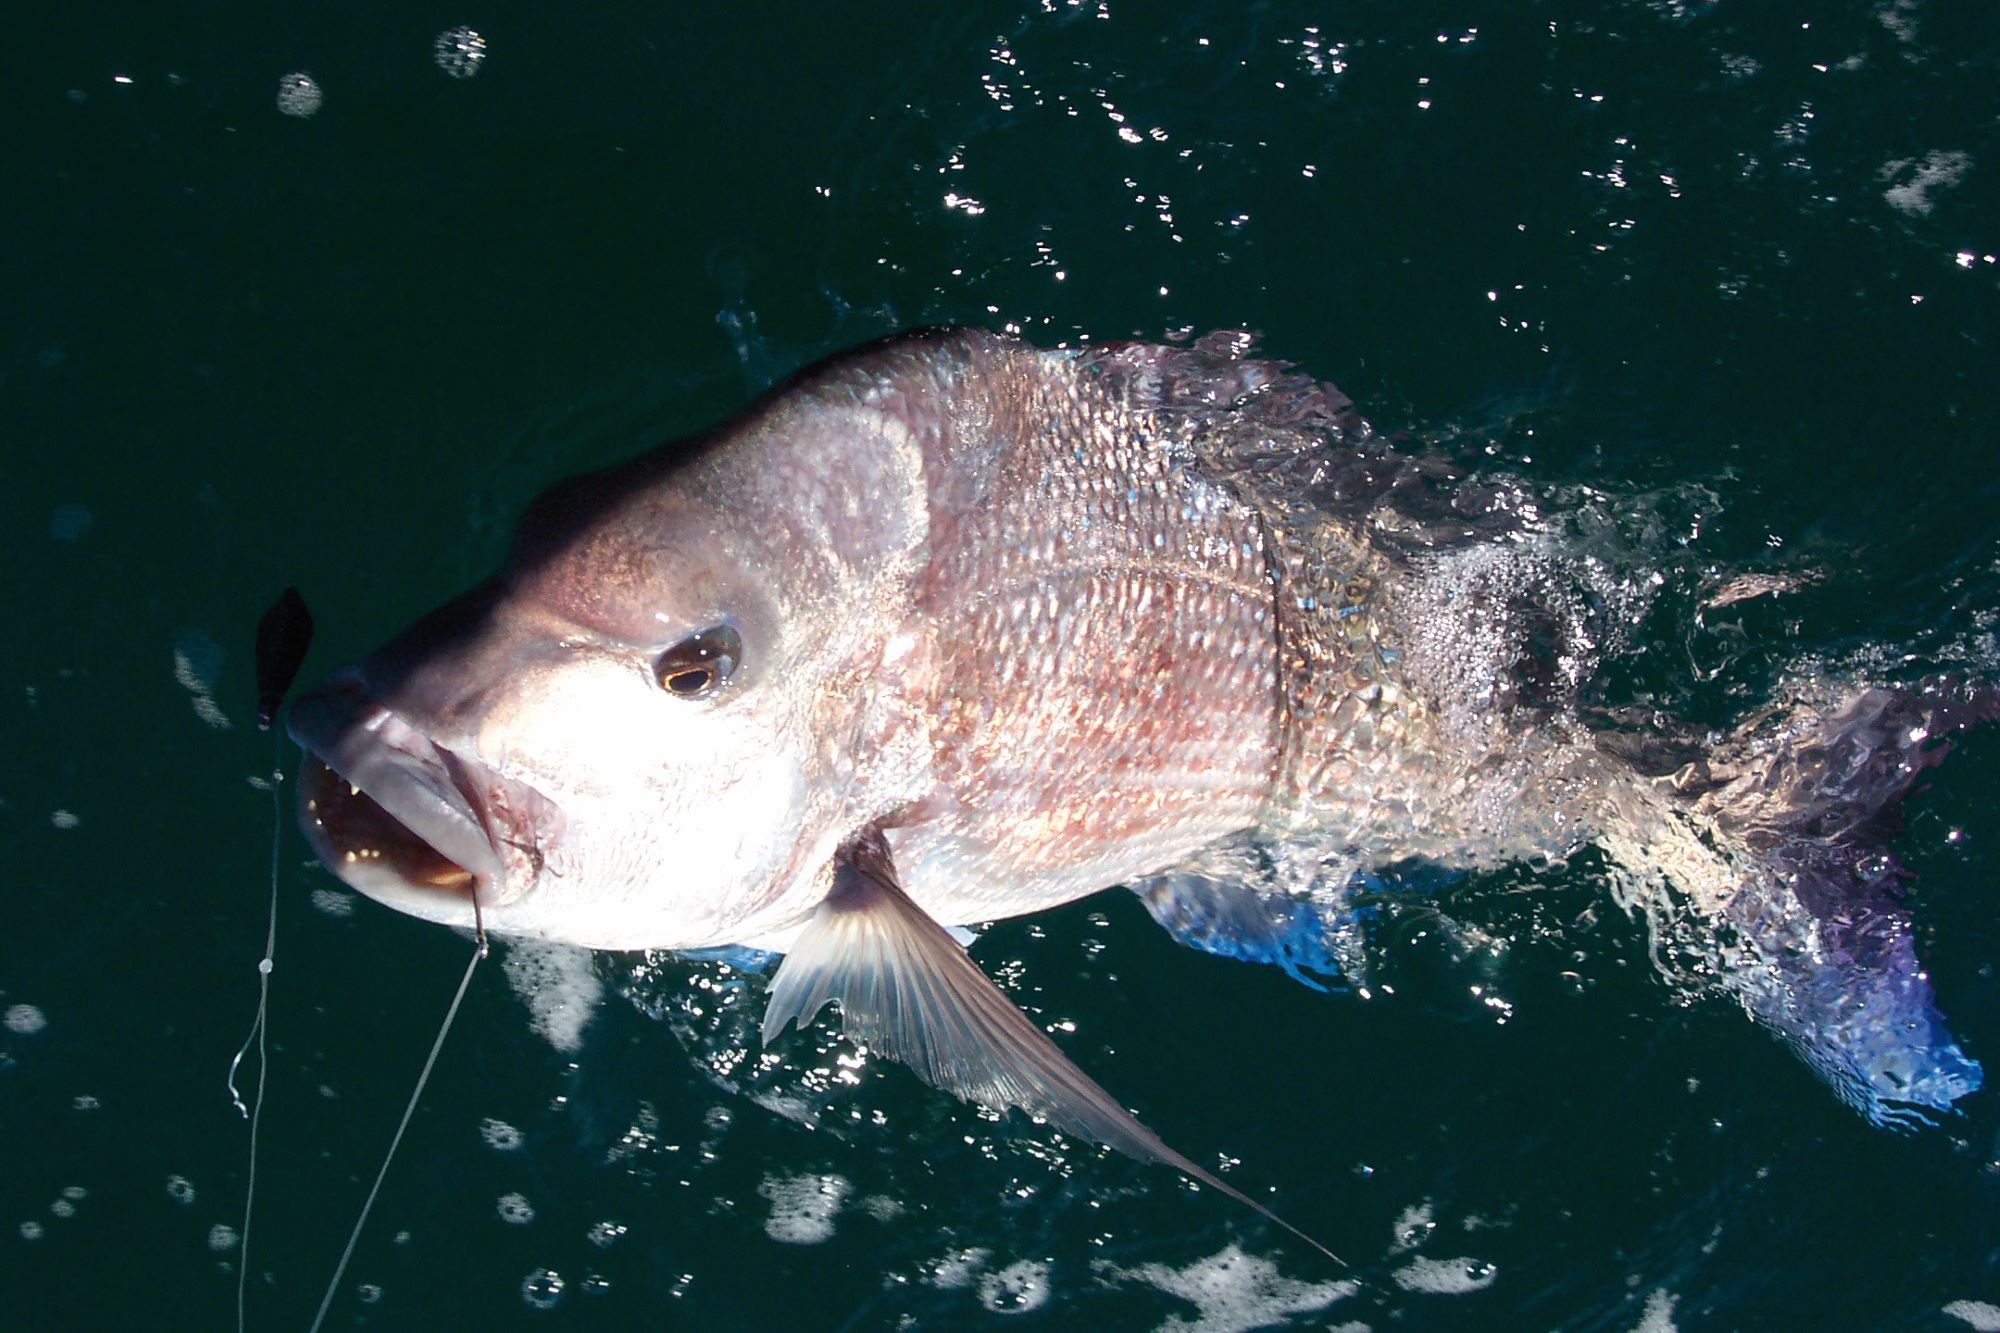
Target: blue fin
{"type": "Point", "coordinates": [1233, 902]}
{"type": "Point", "coordinates": [1817, 939]}
{"type": "Point", "coordinates": [739, 956]}
{"type": "Point", "coordinates": [1847, 993]}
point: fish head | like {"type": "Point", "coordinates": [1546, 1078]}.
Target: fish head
{"type": "Point", "coordinates": [691, 681]}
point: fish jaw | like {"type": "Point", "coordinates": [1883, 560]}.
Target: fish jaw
{"type": "Point", "coordinates": [420, 827]}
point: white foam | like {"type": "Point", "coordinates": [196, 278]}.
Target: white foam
{"type": "Point", "coordinates": [803, 1207]}
{"type": "Point", "coordinates": [954, 1272]}
{"type": "Point", "coordinates": [1979, 1314]}
{"type": "Point", "coordinates": [333, 902]}
{"type": "Point", "coordinates": [1940, 169]}
{"type": "Point", "coordinates": [499, 1135]}
{"type": "Point", "coordinates": [542, 1288]}
{"type": "Point", "coordinates": [24, 1019]}
{"type": "Point", "coordinates": [1658, 1316]}
{"type": "Point", "coordinates": [299, 94]}
{"type": "Point", "coordinates": [791, 1108]}
{"type": "Point", "coordinates": [1413, 1227]}
{"type": "Point", "coordinates": [1899, 17]}
{"type": "Point", "coordinates": [64, 819]}
{"type": "Point", "coordinates": [882, 1208]}
{"type": "Point", "coordinates": [1017, 1288]}
{"type": "Point", "coordinates": [1233, 1292]}
{"type": "Point", "coordinates": [222, 1238]}
{"type": "Point", "coordinates": [558, 984]}
{"type": "Point", "coordinates": [459, 51]}
{"type": "Point", "coordinates": [197, 664]}
{"type": "Point", "coordinates": [1445, 1277]}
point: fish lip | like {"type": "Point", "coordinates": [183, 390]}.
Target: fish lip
{"type": "Point", "coordinates": [492, 827]}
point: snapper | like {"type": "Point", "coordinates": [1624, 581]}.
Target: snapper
{"type": "Point", "coordinates": [951, 628]}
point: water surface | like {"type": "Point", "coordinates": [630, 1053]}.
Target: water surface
{"type": "Point", "coordinates": [1746, 247]}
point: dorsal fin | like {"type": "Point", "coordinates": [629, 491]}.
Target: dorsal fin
{"type": "Point", "coordinates": [907, 990]}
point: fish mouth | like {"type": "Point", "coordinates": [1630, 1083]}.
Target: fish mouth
{"type": "Point", "coordinates": [412, 823]}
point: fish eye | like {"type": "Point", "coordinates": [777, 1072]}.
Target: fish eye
{"type": "Point", "coordinates": [701, 663]}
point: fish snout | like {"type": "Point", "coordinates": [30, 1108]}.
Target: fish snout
{"type": "Point", "coordinates": [439, 672]}
{"type": "Point", "coordinates": [415, 824]}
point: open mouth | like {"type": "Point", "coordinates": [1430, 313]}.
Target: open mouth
{"type": "Point", "coordinates": [349, 827]}
{"type": "Point", "coordinates": [411, 823]}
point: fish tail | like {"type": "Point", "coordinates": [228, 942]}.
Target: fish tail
{"type": "Point", "coordinates": [1777, 840]}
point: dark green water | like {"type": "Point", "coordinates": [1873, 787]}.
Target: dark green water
{"type": "Point", "coordinates": [1750, 246]}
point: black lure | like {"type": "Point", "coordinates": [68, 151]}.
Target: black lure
{"type": "Point", "coordinates": [283, 636]}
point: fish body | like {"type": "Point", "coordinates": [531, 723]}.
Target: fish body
{"type": "Point", "coordinates": [953, 628]}
{"type": "Point", "coordinates": [1049, 669]}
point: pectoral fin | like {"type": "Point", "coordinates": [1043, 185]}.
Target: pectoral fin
{"type": "Point", "coordinates": [907, 990]}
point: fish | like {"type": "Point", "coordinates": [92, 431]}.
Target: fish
{"type": "Point", "coordinates": [952, 628]}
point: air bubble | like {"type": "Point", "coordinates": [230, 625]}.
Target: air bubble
{"type": "Point", "coordinates": [332, 902]}
{"type": "Point", "coordinates": [882, 1208]}
{"type": "Point", "coordinates": [299, 95]}
{"type": "Point", "coordinates": [954, 1272]}
{"type": "Point", "coordinates": [24, 1019]}
{"type": "Point", "coordinates": [516, 1209]}
{"type": "Point", "coordinates": [459, 51]}
{"type": "Point", "coordinates": [803, 1207]}
{"type": "Point", "coordinates": [499, 1135]}
{"type": "Point", "coordinates": [542, 1288]}
{"type": "Point", "coordinates": [180, 1189]}
{"type": "Point", "coordinates": [1445, 1277]}
{"type": "Point", "coordinates": [1016, 1289]}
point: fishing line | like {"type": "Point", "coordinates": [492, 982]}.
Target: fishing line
{"type": "Point", "coordinates": [283, 634]}
{"type": "Point", "coordinates": [416, 1093]}
{"type": "Point", "coordinates": [260, 1026]}
{"type": "Point", "coordinates": [264, 964]}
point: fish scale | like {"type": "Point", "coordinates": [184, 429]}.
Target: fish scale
{"type": "Point", "coordinates": [1132, 639]}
